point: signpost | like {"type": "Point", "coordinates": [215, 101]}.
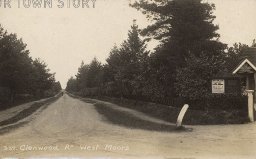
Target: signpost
{"type": "Point", "coordinates": [218, 86]}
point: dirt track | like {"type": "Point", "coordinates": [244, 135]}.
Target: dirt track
{"type": "Point", "coordinates": [72, 128]}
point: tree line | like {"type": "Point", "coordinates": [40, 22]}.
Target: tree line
{"type": "Point", "coordinates": [181, 66]}
{"type": "Point", "coordinates": [20, 75]}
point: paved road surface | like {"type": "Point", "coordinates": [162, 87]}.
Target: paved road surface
{"type": "Point", "coordinates": [72, 128]}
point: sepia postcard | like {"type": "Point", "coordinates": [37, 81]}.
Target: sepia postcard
{"type": "Point", "coordinates": [127, 79]}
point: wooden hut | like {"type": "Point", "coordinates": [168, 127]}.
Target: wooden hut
{"type": "Point", "coordinates": [246, 68]}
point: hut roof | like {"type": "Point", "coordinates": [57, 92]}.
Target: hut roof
{"type": "Point", "coordinates": [248, 57]}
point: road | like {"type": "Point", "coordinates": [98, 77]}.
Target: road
{"type": "Point", "coordinates": [70, 127]}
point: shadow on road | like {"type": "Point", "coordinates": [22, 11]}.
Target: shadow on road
{"type": "Point", "coordinates": [125, 119]}
{"type": "Point", "coordinates": [128, 120]}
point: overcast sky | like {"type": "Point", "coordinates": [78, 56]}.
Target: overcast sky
{"type": "Point", "coordinates": [64, 37]}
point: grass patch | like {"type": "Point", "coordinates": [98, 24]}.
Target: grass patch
{"type": "Point", "coordinates": [128, 120]}
{"type": "Point", "coordinates": [170, 114]}
{"type": "Point", "coordinates": [125, 119]}
{"type": "Point", "coordinates": [12, 127]}
{"type": "Point", "coordinates": [192, 117]}
{"type": "Point", "coordinates": [25, 113]}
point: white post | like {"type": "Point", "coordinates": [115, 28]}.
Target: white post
{"type": "Point", "coordinates": [250, 104]}
{"type": "Point", "coordinates": [247, 83]}
{"type": "Point", "coordinates": [181, 115]}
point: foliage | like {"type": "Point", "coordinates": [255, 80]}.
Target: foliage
{"type": "Point", "coordinates": [234, 51]}
{"type": "Point", "coordinates": [19, 73]}
{"type": "Point", "coordinates": [193, 82]}
{"type": "Point", "coordinates": [88, 76]}
{"type": "Point", "coordinates": [41, 79]}
{"type": "Point", "coordinates": [15, 63]}
{"type": "Point", "coordinates": [254, 43]}
{"type": "Point", "coordinates": [94, 74]}
{"type": "Point", "coordinates": [185, 29]}
{"type": "Point", "coordinates": [128, 63]}
{"type": "Point", "coordinates": [181, 67]}
{"type": "Point", "coordinates": [183, 26]}
{"type": "Point", "coordinates": [122, 76]}
{"type": "Point", "coordinates": [72, 85]}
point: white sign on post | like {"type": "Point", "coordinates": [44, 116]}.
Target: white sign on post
{"type": "Point", "coordinates": [218, 86]}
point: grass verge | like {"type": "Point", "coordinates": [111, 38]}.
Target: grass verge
{"type": "Point", "coordinates": [25, 113]}
{"type": "Point", "coordinates": [128, 120]}
{"type": "Point", "coordinates": [122, 118]}
{"type": "Point", "coordinates": [192, 117]}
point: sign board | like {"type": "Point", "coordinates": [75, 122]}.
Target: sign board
{"type": "Point", "coordinates": [218, 86]}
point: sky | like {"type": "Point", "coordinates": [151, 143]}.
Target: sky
{"type": "Point", "coordinates": [64, 37]}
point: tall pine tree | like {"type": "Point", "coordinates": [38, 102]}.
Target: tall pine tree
{"type": "Point", "coordinates": [127, 63]}
{"type": "Point", "coordinates": [185, 28]}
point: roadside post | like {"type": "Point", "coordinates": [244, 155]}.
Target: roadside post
{"type": "Point", "coordinates": [250, 105]}
{"type": "Point", "coordinates": [181, 115]}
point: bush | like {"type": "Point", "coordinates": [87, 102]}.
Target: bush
{"type": "Point", "coordinates": [193, 81]}
{"type": "Point", "coordinates": [220, 102]}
